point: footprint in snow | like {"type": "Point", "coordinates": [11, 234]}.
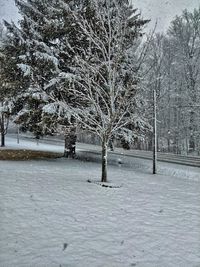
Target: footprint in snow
{"type": "Point", "coordinates": [65, 245]}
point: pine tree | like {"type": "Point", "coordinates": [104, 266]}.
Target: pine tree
{"type": "Point", "coordinates": [11, 81]}
{"type": "Point", "coordinates": [44, 59]}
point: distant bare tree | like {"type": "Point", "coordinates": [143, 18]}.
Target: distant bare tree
{"type": "Point", "coordinates": [185, 37]}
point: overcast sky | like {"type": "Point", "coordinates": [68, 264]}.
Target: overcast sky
{"type": "Point", "coordinates": [161, 10]}
{"type": "Point", "coordinates": [164, 10]}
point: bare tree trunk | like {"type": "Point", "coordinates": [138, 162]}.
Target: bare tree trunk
{"type": "Point", "coordinates": [154, 133]}
{"type": "Point", "coordinates": [70, 142]}
{"type": "Point", "coordinates": [168, 144]}
{"type": "Point", "coordinates": [104, 162]}
{"type": "Point", "coordinates": [111, 143]}
{"type": "Point", "coordinates": [2, 131]}
{"type": "Point", "coordinates": [17, 134]}
{"type": "Point", "coordinates": [2, 139]}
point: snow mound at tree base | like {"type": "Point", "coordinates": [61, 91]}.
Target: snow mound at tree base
{"type": "Point", "coordinates": [107, 185]}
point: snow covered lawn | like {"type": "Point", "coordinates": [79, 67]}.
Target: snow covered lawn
{"type": "Point", "coordinates": [50, 216]}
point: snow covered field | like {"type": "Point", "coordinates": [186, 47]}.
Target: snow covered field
{"type": "Point", "coordinates": [50, 216]}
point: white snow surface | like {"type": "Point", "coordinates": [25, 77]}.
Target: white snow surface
{"type": "Point", "coordinates": [11, 143]}
{"type": "Point", "coordinates": [50, 216]}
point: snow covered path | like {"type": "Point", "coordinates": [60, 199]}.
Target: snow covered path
{"type": "Point", "coordinates": [50, 216]}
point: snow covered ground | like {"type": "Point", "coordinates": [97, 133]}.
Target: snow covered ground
{"type": "Point", "coordinates": [86, 152]}
{"type": "Point", "coordinates": [11, 143]}
{"type": "Point", "coordinates": [50, 216]}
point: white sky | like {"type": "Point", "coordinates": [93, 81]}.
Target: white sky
{"type": "Point", "coordinates": [162, 10]}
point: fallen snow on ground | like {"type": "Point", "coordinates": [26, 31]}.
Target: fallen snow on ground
{"type": "Point", "coordinates": [50, 216]}
{"type": "Point", "coordinates": [145, 165]}
{"type": "Point", "coordinates": [11, 143]}
{"type": "Point", "coordinates": [136, 164]}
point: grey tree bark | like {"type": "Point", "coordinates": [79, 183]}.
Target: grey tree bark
{"type": "Point", "coordinates": [104, 161]}
{"type": "Point", "coordinates": [70, 142]}
{"type": "Point", "coordinates": [2, 131]}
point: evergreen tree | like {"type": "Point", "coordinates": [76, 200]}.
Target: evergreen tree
{"type": "Point", "coordinates": [44, 59]}
{"type": "Point", "coordinates": [11, 81]}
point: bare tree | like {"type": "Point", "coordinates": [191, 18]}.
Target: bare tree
{"type": "Point", "coordinates": [107, 72]}
{"type": "Point", "coordinates": [184, 33]}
